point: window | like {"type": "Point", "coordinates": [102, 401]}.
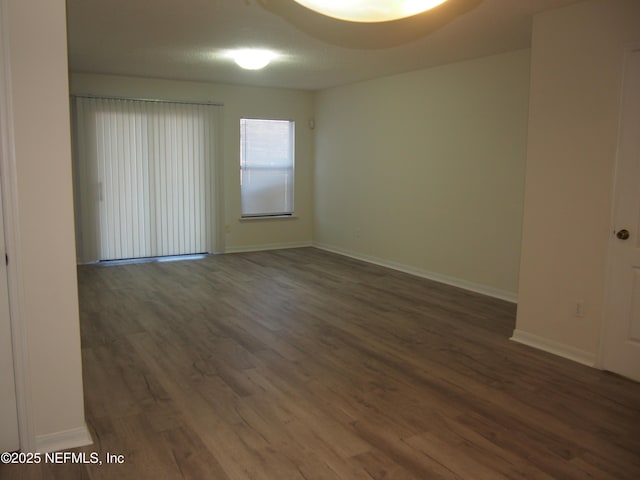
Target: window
{"type": "Point", "coordinates": [266, 167]}
{"type": "Point", "coordinates": [144, 178]}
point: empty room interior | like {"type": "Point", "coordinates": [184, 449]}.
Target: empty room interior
{"type": "Point", "coordinates": [282, 239]}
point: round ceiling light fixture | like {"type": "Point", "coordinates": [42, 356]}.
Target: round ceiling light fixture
{"type": "Point", "coordinates": [370, 11]}
{"type": "Point", "coordinates": [253, 59]}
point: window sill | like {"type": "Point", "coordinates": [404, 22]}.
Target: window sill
{"type": "Point", "coordinates": [269, 217]}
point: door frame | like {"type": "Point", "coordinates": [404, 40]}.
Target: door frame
{"type": "Point", "coordinates": [611, 243]}
{"type": "Point", "coordinates": [12, 240]}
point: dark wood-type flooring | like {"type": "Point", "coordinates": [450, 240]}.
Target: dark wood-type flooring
{"type": "Point", "coordinates": [301, 364]}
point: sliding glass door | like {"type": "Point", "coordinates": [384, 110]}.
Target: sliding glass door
{"type": "Point", "coordinates": [145, 178]}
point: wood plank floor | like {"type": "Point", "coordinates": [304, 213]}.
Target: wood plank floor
{"type": "Point", "coordinates": [300, 364]}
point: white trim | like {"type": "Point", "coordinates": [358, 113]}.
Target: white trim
{"type": "Point", "coordinates": [556, 348]}
{"type": "Point", "coordinates": [268, 246]}
{"type": "Point", "coordinates": [251, 218]}
{"type": "Point", "coordinates": [419, 272]}
{"type": "Point", "coordinates": [52, 442]}
{"type": "Point", "coordinates": [12, 241]}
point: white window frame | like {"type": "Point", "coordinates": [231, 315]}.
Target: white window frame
{"type": "Point", "coordinates": [289, 187]}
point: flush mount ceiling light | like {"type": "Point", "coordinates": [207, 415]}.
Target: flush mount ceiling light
{"type": "Point", "coordinates": [253, 59]}
{"type": "Point", "coordinates": [370, 10]}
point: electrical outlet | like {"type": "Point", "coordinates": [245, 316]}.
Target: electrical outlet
{"type": "Point", "coordinates": [579, 309]}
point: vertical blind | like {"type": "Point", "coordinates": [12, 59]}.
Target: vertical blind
{"type": "Point", "coordinates": [144, 178]}
{"type": "Point", "coordinates": [266, 166]}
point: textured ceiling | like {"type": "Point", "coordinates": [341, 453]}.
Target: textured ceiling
{"type": "Point", "coordinates": [188, 39]}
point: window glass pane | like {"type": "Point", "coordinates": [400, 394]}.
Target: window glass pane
{"type": "Point", "coordinates": [266, 166]}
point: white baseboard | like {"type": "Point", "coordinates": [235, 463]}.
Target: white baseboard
{"type": "Point", "coordinates": [53, 442]}
{"type": "Point", "coordinates": [268, 246]}
{"type": "Point", "coordinates": [419, 272]}
{"type": "Point", "coordinates": [557, 348]}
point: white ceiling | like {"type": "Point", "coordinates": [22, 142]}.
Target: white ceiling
{"type": "Point", "coordinates": [187, 39]}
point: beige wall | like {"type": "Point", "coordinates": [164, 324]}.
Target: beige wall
{"type": "Point", "coordinates": [40, 232]}
{"type": "Point", "coordinates": [425, 171]}
{"type": "Point", "coordinates": [238, 102]}
{"type": "Point", "coordinates": [576, 74]}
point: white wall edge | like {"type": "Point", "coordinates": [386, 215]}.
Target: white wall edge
{"type": "Point", "coordinates": [19, 332]}
{"type": "Point", "coordinates": [269, 246]}
{"type": "Point", "coordinates": [419, 272]}
{"type": "Point", "coordinates": [556, 348]}
{"type": "Point", "coordinates": [52, 442]}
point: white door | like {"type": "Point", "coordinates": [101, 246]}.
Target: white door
{"type": "Point", "coordinates": [621, 342]}
{"type": "Point", "coordinates": [9, 439]}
